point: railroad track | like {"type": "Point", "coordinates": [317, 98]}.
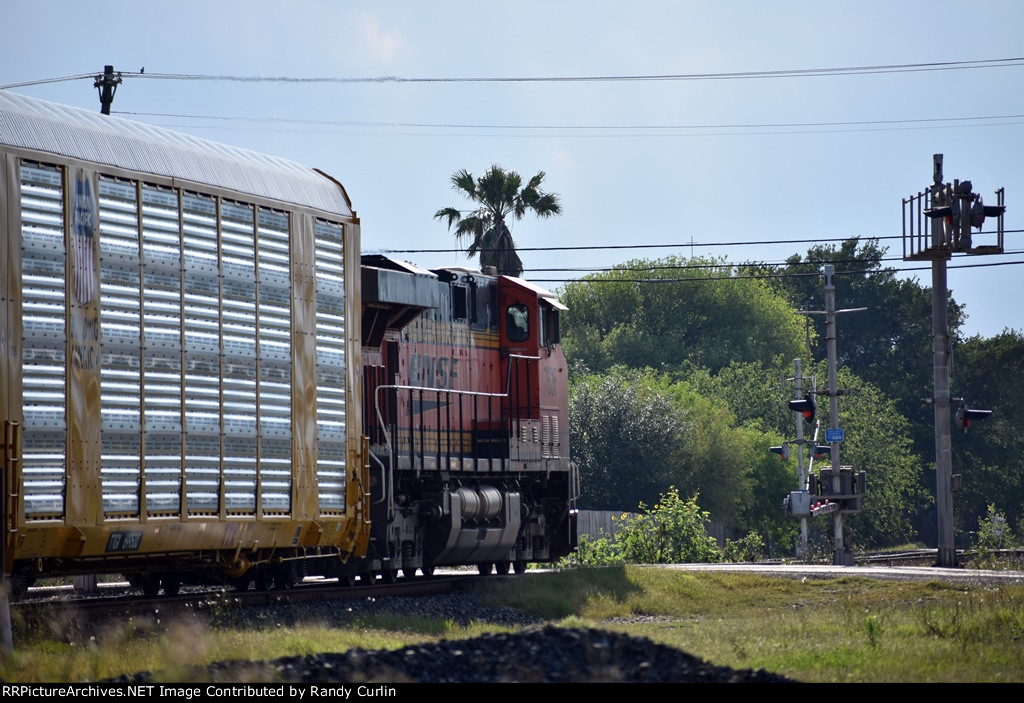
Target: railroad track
{"type": "Point", "coordinates": [927, 557]}
{"type": "Point", "coordinates": [122, 601]}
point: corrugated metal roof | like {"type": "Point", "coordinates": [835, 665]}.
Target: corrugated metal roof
{"type": "Point", "coordinates": [67, 131]}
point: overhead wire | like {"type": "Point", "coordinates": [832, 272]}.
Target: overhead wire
{"type": "Point", "coordinates": [760, 276]}
{"type": "Point", "coordinates": [737, 75]}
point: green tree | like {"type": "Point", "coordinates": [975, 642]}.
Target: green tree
{"type": "Point", "coordinates": [661, 314]}
{"type": "Point", "coordinates": [987, 373]}
{"type": "Point", "coordinates": [889, 344]}
{"type": "Point", "coordinates": [877, 440]}
{"type": "Point", "coordinates": [501, 198]}
{"type": "Point", "coordinates": [624, 435]}
{"type": "Point", "coordinates": [636, 433]}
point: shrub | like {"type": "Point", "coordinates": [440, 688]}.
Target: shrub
{"type": "Point", "coordinates": [672, 531]}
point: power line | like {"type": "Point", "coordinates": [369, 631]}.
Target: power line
{"type": "Point", "coordinates": [629, 127]}
{"type": "Point", "coordinates": [720, 265]}
{"type": "Point", "coordinates": [738, 277]}
{"type": "Point", "coordinates": [596, 247]}
{"type": "Point", "coordinates": [737, 75]}
{"type": "Point", "coordinates": [43, 81]}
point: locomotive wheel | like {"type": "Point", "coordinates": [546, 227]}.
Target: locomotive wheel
{"type": "Point", "coordinates": [389, 575]}
{"type": "Point", "coordinates": [484, 568]}
{"type": "Point", "coordinates": [519, 566]}
{"type": "Point", "coordinates": [502, 567]}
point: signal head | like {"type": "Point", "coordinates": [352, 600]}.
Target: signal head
{"type": "Point", "coordinates": [805, 406]}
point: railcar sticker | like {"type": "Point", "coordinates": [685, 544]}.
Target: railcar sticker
{"type": "Point", "coordinates": [84, 224]}
{"type": "Point", "coordinates": [128, 541]}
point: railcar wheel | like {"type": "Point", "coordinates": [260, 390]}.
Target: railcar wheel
{"type": "Point", "coordinates": [263, 578]}
{"type": "Point", "coordinates": [389, 575]}
{"type": "Point", "coordinates": [284, 576]}
{"type": "Point", "coordinates": [348, 580]}
{"type": "Point", "coordinates": [368, 577]}
{"type": "Point", "coordinates": [519, 566]}
{"type": "Point", "coordinates": [484, 568]}
{"type": "Point", "coordinates": [502, 567]}
{"type": "Point", "coordinates": [428, 571]}
{"type": "Point", "coordinates": [409, 573]}
{"type": "Point", "coordinates": [172, 585]}
{"type": "Point", "coordinates": [241, 583]}
{"type": "Point", "coordinates": [150, 585]}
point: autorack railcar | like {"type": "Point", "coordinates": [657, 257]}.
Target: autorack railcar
{"type": "Point", "coordinates": [183, 391]}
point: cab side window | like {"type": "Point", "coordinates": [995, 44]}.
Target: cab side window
{"type": "Point", "coordinates": [517, 322]}
{"type": "Point", "coordinates": [549, 331]}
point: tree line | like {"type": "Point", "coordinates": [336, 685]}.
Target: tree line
{"type": "Point", "coordinates": [681, 381]}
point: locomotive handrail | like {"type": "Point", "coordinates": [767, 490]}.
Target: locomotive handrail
{"type": "Point", "coordinates": [403, 387]}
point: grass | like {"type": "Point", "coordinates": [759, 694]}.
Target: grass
{"type": "Point", "coordinates": [839, 630]}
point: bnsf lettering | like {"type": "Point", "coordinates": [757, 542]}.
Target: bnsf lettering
{"type": "Point", "coordinates": [433, 372]}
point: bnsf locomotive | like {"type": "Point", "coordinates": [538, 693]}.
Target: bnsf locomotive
{"type": "Point", "coordinates": [200, 380]}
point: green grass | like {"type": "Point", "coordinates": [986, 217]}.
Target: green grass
{"type": "Point", "coordinates": [839, 630]}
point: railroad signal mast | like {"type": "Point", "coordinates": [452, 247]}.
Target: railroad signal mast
{"type": "Point", "coordinates": [938, 222]}
{"type": "Point", "coordinates": [836, 490]}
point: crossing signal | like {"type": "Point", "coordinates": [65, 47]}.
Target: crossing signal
{"type": "Point", "coordinates": [805, 406]}
{"type": "Point", "coordinates": [784, 452]}
{"type": "Point", "coordinates": [964, 416]}
{"type": "Point", "coordinates": [821, 450]}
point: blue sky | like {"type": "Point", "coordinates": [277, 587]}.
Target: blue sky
{"type": "Point", "coordinates": [625, 156]}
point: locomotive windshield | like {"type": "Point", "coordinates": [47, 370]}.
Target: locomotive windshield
{"type": "Point", "coordinates": [517, 319]}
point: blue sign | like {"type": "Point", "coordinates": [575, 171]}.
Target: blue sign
{"type": "Point", "coordinates": [834, 434]}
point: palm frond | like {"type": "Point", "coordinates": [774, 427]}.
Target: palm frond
{"type": "Point", "coordinates": [450, 214]}
{"type": "Point", "coordinates": [499, 194]}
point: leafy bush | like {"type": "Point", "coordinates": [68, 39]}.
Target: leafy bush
{"type": "Point", "coordinates": [603, 550]}
{"type": "Point", "coordinates": [749, 548]}
{"type": "Point", "coordinates": [672, 531]}
{"type": "Point", "coordinates": [993, 534]}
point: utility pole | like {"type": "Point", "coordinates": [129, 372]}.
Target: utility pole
{"type": "Point", "coordinates": [949, 212]}
{"type": "Point", "coordinates": [840, 555]}
{"type": "Point", "coordinates": [106, 84]}
{"type": "Point", "coordinates": [801, 547]}
{"type": "Point", "coordinates": [839, 491]}
{"type": "Point", "coordinates": [941, 352]}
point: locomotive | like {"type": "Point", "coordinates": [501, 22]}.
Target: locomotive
{"type": "Point", "coordinates": [203, 380]}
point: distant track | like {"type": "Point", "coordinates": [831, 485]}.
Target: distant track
{"type": "Point", "coordinates": [891, 573]}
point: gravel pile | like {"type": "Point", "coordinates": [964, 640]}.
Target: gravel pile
{"type": "Point", "coordinates": [539, 654]}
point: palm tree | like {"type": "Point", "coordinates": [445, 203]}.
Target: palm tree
{"type": "Point", "coordinates": [501, 197]}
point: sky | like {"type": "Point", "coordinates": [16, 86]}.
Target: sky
{"type": "Point", "coordinates": [708, 167]}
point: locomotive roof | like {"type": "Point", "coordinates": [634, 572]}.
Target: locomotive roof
{"type": "Point", "coordinates": [542, 293]}
{"type": "Point", "coordinates": [38, 125]}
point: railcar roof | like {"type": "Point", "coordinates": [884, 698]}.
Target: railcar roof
{"type": "Point", "coordinates": [30, 123]}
